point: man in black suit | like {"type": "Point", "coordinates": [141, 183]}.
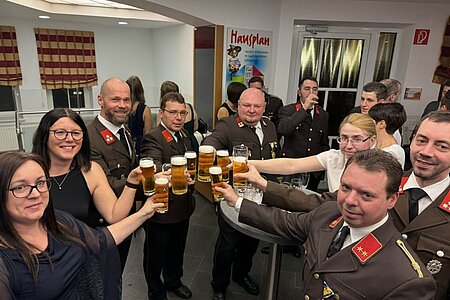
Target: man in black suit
{"type": "Point", "coordinates": [166, 234]}
{"type": "Point", "coordinates": [111, 143]}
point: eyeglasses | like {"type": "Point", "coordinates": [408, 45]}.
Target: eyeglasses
{"type": "Point", "coordinates": [354, 140]}
{"type": "Point", "coordinates": [61, 134]}
{"type": "Point", "coordinates": [174, 113]}
{"type": "Point", "coordinates": [24, 190]}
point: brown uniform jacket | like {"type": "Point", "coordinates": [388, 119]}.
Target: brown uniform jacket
{"type": "Point", "coordinates": [428, 234]}
{"type": "Point", "coordinates": [110, 153]}
{"type": "Point", "coordinates": [373, 268]}
{"type": "Point", "coordinates": [161, 147]}
{"type": "Point", "coordinates": [303, 136]}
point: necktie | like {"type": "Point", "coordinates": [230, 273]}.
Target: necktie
{"type": "Point", "coordinates": [415, 194]}
{"type": "Point", "coordinates": [308, 111]}
{"type": "Point", "coordinates": [180, 141]}
{"type": "Point", "coordinates": [253, 129]}
{"type": "Point", "coordinates": [336, 245]}
{"type": "Point", "coordinates": [123, 140]}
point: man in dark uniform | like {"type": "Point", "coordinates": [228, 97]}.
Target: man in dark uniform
{"type": "Point", "coordinates": [273, 103]}
{"type": "Point", "coordinates": [234, 249]}
{"type": "Point", "coordinates": [304, 126]}
{"type": "Point", "coordinates": [353, 250]}
{"type": "Point", "coordinates": [422, 213]}
{"type": "Point", "coordinates": [111, 143]}
{"type": "Point", "coordinates": [166, 234]}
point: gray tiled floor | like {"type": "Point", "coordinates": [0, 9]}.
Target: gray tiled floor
{"type": "Point", "coordinates": [198, 259]}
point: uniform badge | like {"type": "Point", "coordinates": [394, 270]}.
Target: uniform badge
{"type": "Point", "coordinates": [366, 248]}
{"type": "Point", "coordinates": [273, 147]}
{"type": "Point", "coordinates": [298, 106]}
{"type": "Point", "coordinates": [108, 137]}
{"type": "Point", "coordinates": [239, 122]}
{"type": "Point", "coordinates": [327, 291]}
{"type": "Point", "coordinates": [434, 266]}
{"type": "Point", "coordinates": [167, 135]}
{"type": "Point", "coordinates": [335, 222]}
{"type": "Point", "coordinates": [402, 184]}
{"type": "Point", "coordinates": [445, 204]}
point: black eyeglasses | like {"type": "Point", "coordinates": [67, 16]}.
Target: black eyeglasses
{"type": "Point", "coordinates": [356, 140]}
{"type": "Point", "coordinates": [174, 113]}
{"type": "Point", "coordinates": [24, 190]}
{"type": "Point", "coordinates": [61, 134]}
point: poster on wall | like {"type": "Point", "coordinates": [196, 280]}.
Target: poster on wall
{"type": "Point", "coordinates": [247, 54]}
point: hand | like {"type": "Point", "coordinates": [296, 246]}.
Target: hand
{"type": "Point", "coordinates": [149, 207]}
{"type": "Point", "coordinates": [165, 174]}
{"type": "Point", "coordinates": [135, 176]}
{"type": "Point", "coordinates": [253, 177]}
{"type": "Point", "coordinates": [310, 101]}
{"type": "Point", "coordinates": [228, 192]}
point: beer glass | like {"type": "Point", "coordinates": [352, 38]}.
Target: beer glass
{"type": "Point", "coordinates": [162, 194]}
{"type": "Point", "coordinates": [179, 179]}
{"type": "Point", "coordinates": [216, 180]}
{"type": "Point", "coordinates": [148, 175]}
{"type": "Point", "coordinates": [223, 161]}
{"type": "Point", "coordinates": [205, 160]}
{"type": "Point", "coordinates": [300, 182]}
{"type": "Point", "coordinates": [240, 157]}
{"type": "Point", "coordinates": [191, 157]}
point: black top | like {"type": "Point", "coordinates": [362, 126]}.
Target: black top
{"type": "Point", "coordinates": [75, 198]}
{"type": "Point", "coordinates": [72, 273]}
{"type": "Point", "coordinates": [230, 111]}
{"type": "Point", "coordinates": [136, 124]}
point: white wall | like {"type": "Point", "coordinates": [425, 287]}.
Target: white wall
{"type": "Point", "coordinates": [416, 64]}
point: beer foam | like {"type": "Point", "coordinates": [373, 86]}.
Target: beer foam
{"type": "Point", "coordinates": [215, 170]}
{"type": "Point", "coordinates": [240, 159]}
{"type": "Point", "coordinates": [178, 160]}
{"type": "Point", "coordinates": [146, 163]}
{"type": "Point", "coordinates": [206, 149]}
{"type": "Point", "coordinates": [161, 181]}
{"type": "Point", "coordinates": [222, 153]}
{"type": "Point", "coordinates": [190, 154]}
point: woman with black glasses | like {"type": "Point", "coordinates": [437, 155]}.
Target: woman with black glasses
{"type": "Point", "coordinates": [80, 186]}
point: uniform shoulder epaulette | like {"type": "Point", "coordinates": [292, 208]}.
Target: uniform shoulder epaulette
{"type": "Point", "coordinates": [107, 136]}
{"type": "Point", "coordinates": [366, 248]}
{"type": "Point", "coordinates": [402, 184]}
{"type": "Point", "coordinates": [239, 122]}
{"type": "Point", "coordinates": [445, 204]}
{"type": "Point", "coordinates": [167, 135]}
{"type": "Point", "coordinates": [335, 222]}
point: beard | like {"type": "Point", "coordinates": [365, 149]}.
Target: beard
{"type": "Point", "coordinates": [115, 120]}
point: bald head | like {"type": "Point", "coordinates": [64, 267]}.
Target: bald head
{"type": "Point", "coordinates": [112, 82]}
{"type": "Point", "coordinates": [251, 106]}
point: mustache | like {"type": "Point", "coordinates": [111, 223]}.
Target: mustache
{"type": "Point", "coordinates": [425, 159]}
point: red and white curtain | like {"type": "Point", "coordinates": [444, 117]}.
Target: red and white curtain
{"type": "Point", "coordinates": [10, 72]}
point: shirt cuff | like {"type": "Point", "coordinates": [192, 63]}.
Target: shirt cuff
{"type": "Point", "coordinates": [237, 205]}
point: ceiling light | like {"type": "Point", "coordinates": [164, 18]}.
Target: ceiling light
{"type": "Point", "coordinates": [122, 23]}
{"type": "Point", "coordinates": [44, 17]}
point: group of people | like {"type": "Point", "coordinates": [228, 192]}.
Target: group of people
{"type": "Point", "coordinates": [69, 204]}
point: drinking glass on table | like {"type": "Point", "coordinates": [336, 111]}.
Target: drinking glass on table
{"type": "Point", "coordinates": [300, 182]}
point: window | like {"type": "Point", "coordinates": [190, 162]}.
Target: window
{"type": "Point", "coordinates": [71, 98]}
{"type": "Point", "coordinates": [6, 98]}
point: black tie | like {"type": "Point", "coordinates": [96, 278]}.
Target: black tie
{"type": "Point", "coordinates": [336, 245]}
{"type": "Point", "coordinates": [415, 194]}
{"type": "Point", "coordinates": [308, 111]}
{"type": "Point", "coordinates": [180, 141]}
{"type": "Point", "coordinates": [123, 140]}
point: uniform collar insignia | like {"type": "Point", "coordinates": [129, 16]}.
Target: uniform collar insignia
{"type": "Point", "coordinates": [366, 248]}
{"type": "Point", "coordinates": [335, 222]}
{"type": "Point", "coordinates": [402, 184]}
{"type": "Point", "coordinates": [298, 106]}
{"type": "Point", "coordinates": [445, 204]}
{"type": "Point", "coordinates": [108, 137]}
{"type": "Point", "coordinates": [239, 122]}
{"type": "Point", "coordinates": [167, 135]}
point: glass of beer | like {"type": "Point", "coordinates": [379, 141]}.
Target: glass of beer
{"type": "Point", "coordinates": [148, 175]}
{"type": "Point", "coordinates": [216, 180]}
{"type": "Point", "coordinates": [191, 157]}
{"type": "Point", "coordinates": [162, 194]}
{"type": "Point", "coordinates": [179, 179]}
{"type": "Point", "coordinates": [223, 161]}
{"type": "Point", "coordinates": [240, 158]}
{"type": "Point", "coordinates": [205, 160]}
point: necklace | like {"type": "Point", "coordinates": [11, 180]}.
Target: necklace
{"type": "Point", "coordinates": [62, 182]}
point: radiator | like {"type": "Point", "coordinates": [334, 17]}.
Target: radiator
{"type": "Point", "coordinates": [8, 138]}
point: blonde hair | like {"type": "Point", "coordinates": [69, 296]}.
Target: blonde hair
{"type": "Point", "coordinates": [362, 121]}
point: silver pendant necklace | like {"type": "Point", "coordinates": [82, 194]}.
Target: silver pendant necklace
{"type": "Point", "coordinates": [62, 182]}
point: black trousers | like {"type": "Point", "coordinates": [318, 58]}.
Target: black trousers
{"type": "Point", "coordinates": [163, 253]}
{"type": "Point", "coordinates": [233, 252]}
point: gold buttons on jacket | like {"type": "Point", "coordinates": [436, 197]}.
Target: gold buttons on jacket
{"type": "Point", "coordinates": [306, 297]}
{"type": "Point", "coordinates": [316, 276]}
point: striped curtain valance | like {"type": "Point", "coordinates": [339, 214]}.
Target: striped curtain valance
{"type": "Point", "coordinates": [66, 58]}
{"type": "Point", "coordinates": [10, 72]}
{"type": "Point", "coordinates": [442, 73]}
